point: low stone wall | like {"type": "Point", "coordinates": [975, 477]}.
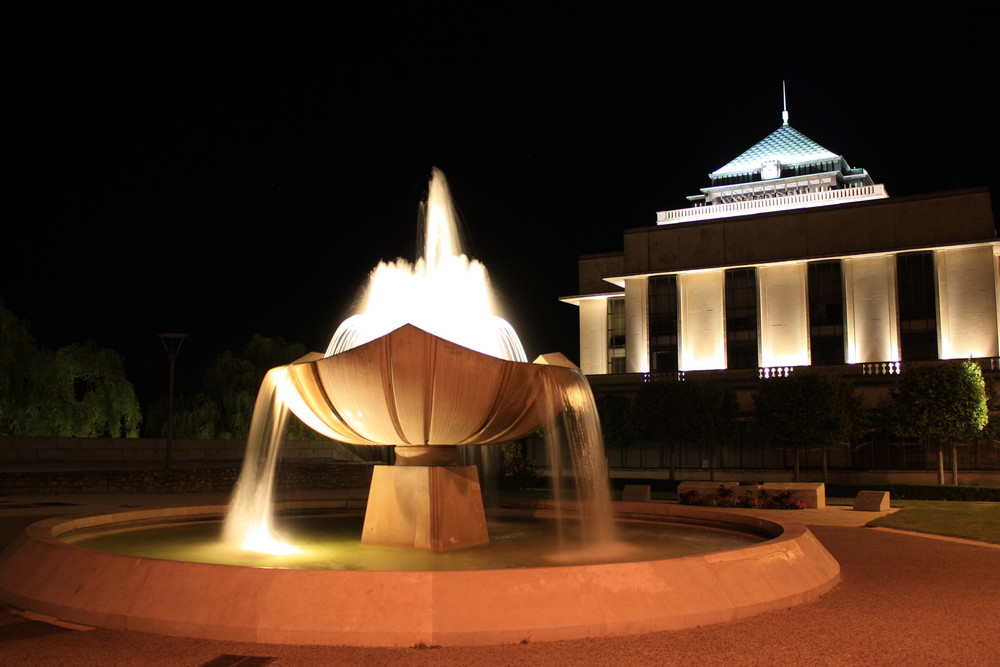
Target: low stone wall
{"type": "Point", "coordinates": [811, 494]}
{"type": "Point", "coordinates": [220, 478]}
{"type": "Point", "coordinates": [972, 477]}
{"type": "Point", "coordinates": [108, 451]}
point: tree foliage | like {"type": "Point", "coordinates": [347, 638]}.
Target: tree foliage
{"type": "Point", "coordinates": [939, 401]}
{"type": "Point", "coordinates": [706, 412]}
{"type": "Point", "coordinates": [805, 409]}
{"type": "Point", "coordinates": [690, 411]}
{"type": "Point", "coordinates": [79, 390]}
{"type": "Point", "coordinates": [671, 411]}
{"type": "Point", "coordinates": [992, 429]}
{"type": "Point", "coordinates": [224, 406]}
{"type": "Point", "coordinates": [616, 413]}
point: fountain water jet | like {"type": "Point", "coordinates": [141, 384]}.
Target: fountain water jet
{"type": "Point", "coordinates": [444, 292]}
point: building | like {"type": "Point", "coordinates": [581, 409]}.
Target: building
{"type": "Point", "coordinates": [792, 258]}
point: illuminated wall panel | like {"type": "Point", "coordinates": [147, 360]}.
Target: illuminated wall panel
{"type": "Point", "coordinates": [594, 336]}
{"type": "Point", "coordinates": [637, 325]}
{"type": "Point", "coordinates": [872, 329]}
{"type": "Point", "coordinates": [967, 303]}
{"type": "Point", "coordinates": [784, 315]}
{"type": "Point", "coordinates": [702, 320]}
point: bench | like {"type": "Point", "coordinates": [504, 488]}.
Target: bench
{"type": "Point", "coordinates": [872, 501]}
{"type": "Point", "coordinates": [636, 493]}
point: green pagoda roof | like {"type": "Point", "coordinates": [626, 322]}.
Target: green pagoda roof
{"type": "Point", "coordinates": [786, 144]}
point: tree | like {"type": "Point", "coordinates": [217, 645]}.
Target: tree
{"type": "Point", "coordinates": [224, 406]}
{"type": "Point", "coordinates": [941, 401]}
{"type": "Point", "coordinates": [616, 413]}
{"type": "Point", "coordinates": [79, 390]}
{"type": "Point", "coordinates": [18, 355]}
{"type": "Point", "coordinates": [688, 411]}
{"type": "Point", "coordinates": [706, 414]}
{"type": "Point", "coordinates": [805, 409]}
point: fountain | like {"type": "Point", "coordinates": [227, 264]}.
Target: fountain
{"type": "Point", "coordinates": [426, 365]}
{"type": "Point", "coordinates": [427, 373]}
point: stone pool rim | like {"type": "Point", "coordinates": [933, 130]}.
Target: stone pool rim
{"type": "Point", "coordinates": [42, 574]}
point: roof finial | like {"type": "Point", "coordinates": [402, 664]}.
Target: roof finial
{"type": "Point", "coordinates": [784, 105]}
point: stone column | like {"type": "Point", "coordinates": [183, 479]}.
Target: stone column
{"type": "Point", "coordinates": [702, 330]}
{"type": "Point", "coordinates": [967, 303]}
{"type": "Point", "coordinates": [637, 325]}
{"type": "Point", "coordinates": [594, 336]}
{"type": "Point", "coordinates": [783, 299]}
{"type": "Point", "coordinates": [870, 300]}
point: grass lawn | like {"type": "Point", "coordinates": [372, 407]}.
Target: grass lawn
{"type": "Point", "coordinates": [973, 521]}
{"type": "Point", "coordinates": [968, 520]}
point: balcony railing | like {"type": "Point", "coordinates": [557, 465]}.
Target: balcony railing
{"type": "Point", "coordinates": [776, 203]}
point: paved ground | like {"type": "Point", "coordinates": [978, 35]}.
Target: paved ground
{"type": "Point", "coordinates": [904, 600]}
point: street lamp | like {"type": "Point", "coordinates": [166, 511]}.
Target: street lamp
{"type": "Point", "coordinates": [172, 346]}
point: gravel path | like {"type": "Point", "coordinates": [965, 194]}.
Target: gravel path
{"type": "Point", "coordinates": [903, 600]}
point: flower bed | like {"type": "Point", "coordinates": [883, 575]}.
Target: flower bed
{"type": "Point", "coordinates": [750, 497]}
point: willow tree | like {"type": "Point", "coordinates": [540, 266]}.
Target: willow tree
{"type": "Point", "coordinates": [940, 402]}
{"type": "Point", "coordinates": [79, 390]}
{"type": "Point", "coordinates": [18, 355]}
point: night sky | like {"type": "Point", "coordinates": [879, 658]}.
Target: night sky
{"type": "Point", "coordinates": [224, 175]}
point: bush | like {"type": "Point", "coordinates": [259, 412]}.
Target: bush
{"type": "Point", "coordinates": [726, 497]}
{"type": "Point", "coordinates": [518, 471]}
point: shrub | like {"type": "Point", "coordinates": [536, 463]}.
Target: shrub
{"type": "Point", "coordinates": [726, 497]}
{"type": "Point", "coordinates": [518, 471]}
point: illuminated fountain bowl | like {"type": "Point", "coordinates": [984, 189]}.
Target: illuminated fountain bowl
{"type": "Point", "coordinates": [410, 388]}
{"type": "Point", "coordinates": [426, 396]}
{"type": "Point", "coordinates": [53, 578]}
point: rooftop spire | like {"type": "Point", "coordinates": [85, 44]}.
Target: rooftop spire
{"type": "Point", "coordinates": [784, 105]}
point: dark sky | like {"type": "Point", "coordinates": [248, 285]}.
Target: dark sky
{"type": "Point", "coordinates": [221, 175]}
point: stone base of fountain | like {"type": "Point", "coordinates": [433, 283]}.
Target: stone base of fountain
{"type": "Point", "coordinates": [42, 573]}
{"type": "Point", "coordinates": [439, 508]}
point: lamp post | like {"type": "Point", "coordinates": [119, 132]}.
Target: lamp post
{"type": "Point", "coordinates": [172, 346]}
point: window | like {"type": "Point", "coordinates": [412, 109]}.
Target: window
{"type": "Point", "coordinates": [663, 323]}
{"type": "Point", "coordinates": [826, 312]}
{"type": "Point", "coordinates": [917, 306]}
{"type": "Point", "coordinates": [616, 335]}
{"type": "Point", "coordinates": [741, 318]}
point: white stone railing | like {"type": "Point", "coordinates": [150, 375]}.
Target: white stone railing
{"type": "Point", "coordinates": [882, 368]}
{"type": "Point", "coordinates": [768, 372]}
{"type": "Point", "coordinates": [777, 203]}
{"type": "Point", "coordinates": [660, 376]}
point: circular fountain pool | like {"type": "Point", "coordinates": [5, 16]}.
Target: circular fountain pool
{"type": "Point", "coordinates": [332, 541]}
{"type": "Point", "coordinates": [46, 573]}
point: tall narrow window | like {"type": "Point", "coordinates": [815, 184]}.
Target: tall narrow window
{"type": "Point", "coordinates": [663, 323]}
{"type": "Point", "coordinates": [917, 306]}
{"type": "Point", "coordinates": [826, 312]}
{"type": "Point", "coordinates": [616, 335]}
{"type": "Point", "coordinates": [741, 318]}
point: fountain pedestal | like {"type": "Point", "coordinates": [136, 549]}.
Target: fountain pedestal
{"type": "Point", "coordinates": [438, 507]}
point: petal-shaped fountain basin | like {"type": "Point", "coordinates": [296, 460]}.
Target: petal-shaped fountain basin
{"type": "Point", "coordinates": [411, 388]}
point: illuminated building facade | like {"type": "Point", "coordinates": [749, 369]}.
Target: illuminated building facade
{"type": "Point", "coordinates": [790, 258]}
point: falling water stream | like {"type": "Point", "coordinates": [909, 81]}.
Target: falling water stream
{"type": "Point", "coordinates": [448, 295]}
